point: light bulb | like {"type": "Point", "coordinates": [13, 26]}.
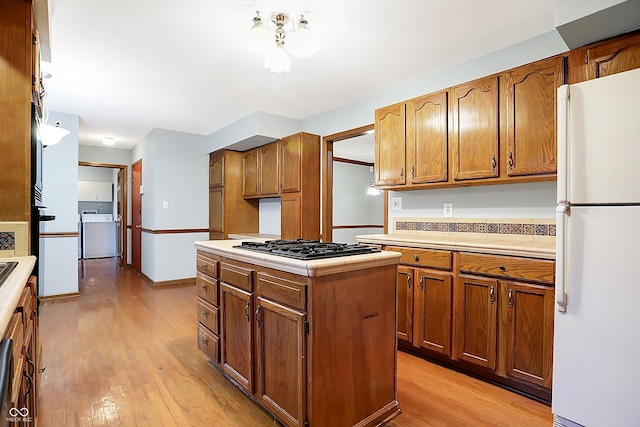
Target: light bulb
{"type": "Point", "coordinates": [259, 38]}
{"type": "Point", "coordinates": [302, 42]}
{"type": "Point", "coordinates": [277, 60]}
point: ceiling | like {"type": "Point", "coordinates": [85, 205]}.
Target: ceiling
{"type": "Point", "coordinates": [126, 67]}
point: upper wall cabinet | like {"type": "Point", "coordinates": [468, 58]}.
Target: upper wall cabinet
{"type": "Point", "coordinates": [605, 58]}
{"type": "Point", "coordinates": [250, 186]}
{"type": "Point", "coordinates": [474, 129]}
{"type": "Point", "coordinates": [261, 171]}
{"type": "Point", "coordinates": [528, 99]}
{"type": "Point", "coordinates": [390, 145]}
{"type": "Point", "coordinates": [427, 139]}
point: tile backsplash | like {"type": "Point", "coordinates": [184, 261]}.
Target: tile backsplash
{"type": "Point", "coordinates": [491, 226]}
{"type": "Point", "coordinates": [14, 239]}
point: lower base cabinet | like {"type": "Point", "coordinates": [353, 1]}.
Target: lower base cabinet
{"type": "Point", "coordinates": [317, 351]}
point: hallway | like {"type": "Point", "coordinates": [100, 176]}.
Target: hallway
{"type": "Point", "coordinates": [125, 353]}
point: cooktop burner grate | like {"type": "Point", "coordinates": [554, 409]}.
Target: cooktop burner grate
{"type": "Point", "coordinates": [306, 249]}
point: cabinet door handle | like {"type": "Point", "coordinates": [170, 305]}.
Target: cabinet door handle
{"type": "Point", "coordinates": [413, 171]}
{"type": "Point", "coordinates": [246, 309]}
{"type": "Point", "coordinates": [258, 315]}
{"type": "Point", "coordinates": [510, 160]}
{"type": "Point", "coordinates": [421, 283]}
{"type": "Point", "coordinates": [492, 292]}
{"type": "Point", "coordinates": [409, 281]}
{"type": "Point", "coordinates": [401, 172]}
{"type": "Point", "coordinates": [510, 298]}
{"type": "Point", "coordinates": [493, 162]}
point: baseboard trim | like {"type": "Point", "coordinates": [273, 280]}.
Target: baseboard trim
{"type": "Point", "coordinates": [188, 281]}
{"type": "Point", "coordinates": [60, 296]}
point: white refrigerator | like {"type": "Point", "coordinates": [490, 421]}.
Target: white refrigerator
{"type": "Point", "coordinates": [596, 360]}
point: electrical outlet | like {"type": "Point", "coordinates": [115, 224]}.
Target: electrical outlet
{"type": "Point", "coordinates": [448, 210]}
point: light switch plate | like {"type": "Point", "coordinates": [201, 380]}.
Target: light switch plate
{"type": "Point", "coordinates": [165, 205]}
{"type": "Point", "coordinates": [396, 203]}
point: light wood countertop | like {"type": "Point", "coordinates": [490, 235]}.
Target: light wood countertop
{"type": "Point", "coordinates": [544, 248]}
{"type": "Point", "coordinates": [309, 268]}
{"type": "Point", "coordinates": [11, 290]}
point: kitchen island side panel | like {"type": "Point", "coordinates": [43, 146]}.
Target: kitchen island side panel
{"type": "Point", "coordinates": [352, 348]}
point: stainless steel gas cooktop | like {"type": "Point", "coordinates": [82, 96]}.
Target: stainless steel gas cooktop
{"type": "Point", "coordinates": [306, 249]}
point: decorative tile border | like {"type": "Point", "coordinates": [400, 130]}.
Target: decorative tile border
{"type": "Point", "coordinates": [511, 228]}
{"type": "Point", "coordinates": [7, 241]}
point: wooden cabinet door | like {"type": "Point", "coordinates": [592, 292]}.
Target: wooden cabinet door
{"type": "Point", "coordinates": [605, 58]}
{"type": "Point", "coordinates": [281, 361]}
{"type": "Point", "coordinates": [290, 216]}
{"type": "Point", "coordinates": [474, 129]}
{"type": "Point", "coordinates": [216, 169]}
{"type": "Point", "coordinates": [236, 348]}
{"type": "Point", "coordinates": [432, 313]}
{"type": "Point", "coordinates": [529, 341]}
{"type": "Point", "coordinates": [405, 303]}
{"type": "Point", "coordinates": [530, 109]}
{"type": "Point", "coordinates": [216, 209]}
{"type": "Point", "coordinates": [427, 138]}
{"type": "Point", "coordinates": [389, 154]}
{"type": "Point", "coordinates": [269, 169]}
{"type": "Point", "coordinates": [250, 173]}
{"type": "Point", "coordinates": [476, 320]}
{"type": "Point", "coordinates": [291, 163]}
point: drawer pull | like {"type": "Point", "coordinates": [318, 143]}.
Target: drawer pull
{"type": "Point", "coordinates": [204, 287]}
{"type": "Point", "coordinates": [205, 341]}
{"type": "Point", "coordinates": [416, 258]}
{"type": "Point", "coordinates": [203, 266]}
{"type": "Point", "coordinates": [503, 268]}
{"type": "Point", "coordinates": [204, 314]}
{"type": "Point", "coordinates": [492, 292]}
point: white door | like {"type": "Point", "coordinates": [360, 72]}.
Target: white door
{"type": "Point", "coordinates": [599, 140]}
{"type": "Point", "coordinates": [596, 380]}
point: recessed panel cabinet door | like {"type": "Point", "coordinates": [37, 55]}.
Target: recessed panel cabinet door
{"type": "Point", "coordinates": [605, 58]}
{"type": "Point", "coordinates": [216, 209]}
{"type": "Point", "coordinates": [216, 169]}
{"type": "Point", "coordinates": [405, 303]}
{"type": "Point", "coordinates": [269, 169]}
{"type": "Point", "coordinates": [290, 211]}
{"type": "Point", "coordinates": [291, 163]}
{"type": "Point", "coordinates": [530, 102]}
{"type": "Point", "coordinates": [474, 129]}
{"type": "Point", "coordinates": [433, 311]}
{"type": "Point", "coordinates": [529, 344]}
{"type": "Point", "coordinates": [236, 349]}
{"type": "Point", "coordinates": [476, 324]}
{"type": "Point", "coordinates": [250, 173]}
{"type": "Point", "coordinates": [281, 361]}
{"type": "Point", "coordinates": [427, 138]}
{"type": "Point", "coordinates": [390, 145]}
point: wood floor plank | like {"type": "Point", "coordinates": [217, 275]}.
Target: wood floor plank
{"type": "Point", "coordinates": [125, 354]}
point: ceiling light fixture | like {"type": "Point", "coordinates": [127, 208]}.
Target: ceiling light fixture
{"type": "Point", "coordinates": [107, 140]}
{"type": "Point", "coordinates": [300, 41]}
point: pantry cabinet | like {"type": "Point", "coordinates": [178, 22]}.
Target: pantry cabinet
{"type": "Point", "coordinates": [474, 129]}
{"type": "Point", "coordinates": [529, 102]}
{"type": "Point", "coordinates": [229, 212]}
{"type": "Point", "coordinates": [604, 58]}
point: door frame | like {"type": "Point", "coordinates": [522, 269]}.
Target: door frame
{"type": "Point", "coordinates": [136, 196]}
{"type": "Point", "coordinates": [326, 164]}
{"type": "Point", "coordinates": [122, 258]}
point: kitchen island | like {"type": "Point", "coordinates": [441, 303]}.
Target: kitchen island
{"type": "Point", "coordinates": [313, 342]}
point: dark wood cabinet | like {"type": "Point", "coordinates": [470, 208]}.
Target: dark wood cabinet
{"type": "Point", "coordinates": [250, 171]}
{"type": "Point", "coordinates": [229, 212]}
{"type": "Point", "coordinates": [236, 335]}
{"type": "Point", "coordinates": [432, 317]}
{"type": "Point", "coordinates": [292, 164]}
{"type": "Point", "coordinates": [291, 216]}
{"type": "Point", "coordinates": [427, 138]}
{"type": "Point", "coordinates": [269, 170]}
{"type": "Point", "coordinates": [405, 304]}
{"type": "Point", "coordinates": [390, 149]}
{"type": "Point", "coordinates": [529, 106]}
{"type": "Point", "coordinates": [604, 58]}
{"type": "Point", "coordinates": [281, 361]}
{"type": "Point", "coordinates": [474, 129]}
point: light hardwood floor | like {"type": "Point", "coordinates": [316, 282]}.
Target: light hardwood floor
{"type": "Point", "coordinates": [125, 353]}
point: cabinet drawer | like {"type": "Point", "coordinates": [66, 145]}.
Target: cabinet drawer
{"type": "Point", "coordinates": [208, 315]}
{"type": "Point", "coordinates": [429, 258]}
{"type": "Point", "coordinates": [280, 289]}
{"type": "Point", "coordinates": [208, 344]}
{"type": "Point", "coordinates": [534, 270]}
{"type": "Point", "coordinates": [207, 288]}
{"type": "Point", "coordinates": [207, 264]}
{"type": "Point", "coordinates": [237, 275]}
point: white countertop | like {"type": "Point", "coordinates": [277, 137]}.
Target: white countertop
{"type": "Point", "coordinates": [11, 290]}
{"type": "Point", "coordinates": [544, 248]}
{"type": "Point", "coordinates": [309, 268]}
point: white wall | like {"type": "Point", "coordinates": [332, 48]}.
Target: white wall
{"type": "Point", "coordinates": [270, 216]}
{"type": "Point", "coordinates": [59, 255]}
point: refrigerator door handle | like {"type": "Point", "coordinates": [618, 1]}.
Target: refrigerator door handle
{"type": "Point", "coordinates": [563, 126]}
{"type": "Point", "coordinates": [561, 291]}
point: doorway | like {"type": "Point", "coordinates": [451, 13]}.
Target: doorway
{"type": "Point", "coordinates": [136, 216]}
{"type": "Point", "coordinates": [120, 209]}
{"type": "Point", "coordinates": [328, 162]}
